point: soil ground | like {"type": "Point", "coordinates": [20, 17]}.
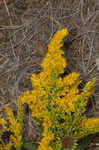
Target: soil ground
{"type": "Point", "coordinates": [26, 27]}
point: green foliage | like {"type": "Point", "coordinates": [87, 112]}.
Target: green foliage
{"type": "Point", "coordinates": [30, 146]}
{"type": "Point", "coordinates": [83, 143]}
{"type": "Point", "coordinates": [20, 146]}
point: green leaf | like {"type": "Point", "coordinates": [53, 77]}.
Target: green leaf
{"type": "Point", "coordinates": [30, 146]}
{"type": "Point", "coordinates": [83, 143]}
{"type": "Point", "coordinates": [20, 146]}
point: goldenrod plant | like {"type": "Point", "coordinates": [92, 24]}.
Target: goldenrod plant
{"type": "Point", "coordinates": [57, 104]}
{"type": "Point", "coordinates": [14, 126]}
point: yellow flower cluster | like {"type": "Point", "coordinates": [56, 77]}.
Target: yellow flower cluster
{"type": "Point", "coordinates": [56, 103]}
{"type": "Point", "coordinates": [91, 124]}
{"type": "Point", "coordinates": [48, 136]}
{"type": "Point", "coordinates": [88, 125]}
{"type": "Point", "coordinates": [3, 123]}
{"type": "Point", "coordinates": [15, 127]}
{"type": "Point", "coordinates": [51, 63]}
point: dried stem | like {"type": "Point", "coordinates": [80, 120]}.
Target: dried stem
{"type": "Point", "coordinates": [7, 9]}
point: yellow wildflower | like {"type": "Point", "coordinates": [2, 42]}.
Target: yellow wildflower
{"type": "Point", "coordinates": [16, 141]}
{"type": "Point", "coordinates": [87, 126]}
{"type": "Point", "coordinates": [1, 147]}
{"type": "Point", "coordinates": [16, 126]}
{"type": "Point", "coordinates": [71, 79]}
{"type": "Point", "coordinates": [56, 102]}
{"type": "Point", "coordinates": [91, 124]}
{"type": "Point", "coordinates": [46, 140]}
{"type": "Point", "coordinates": [3, 123]}
{"type": "Point", "coordinates": [8, 146]}
{"type": "Point", "coordinates": [51, 62]}
{"type": "Point", "coordinates": [56, 41]}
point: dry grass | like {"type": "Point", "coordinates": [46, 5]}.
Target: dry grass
{"type": "Point", "coordinates": [25, 34]}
